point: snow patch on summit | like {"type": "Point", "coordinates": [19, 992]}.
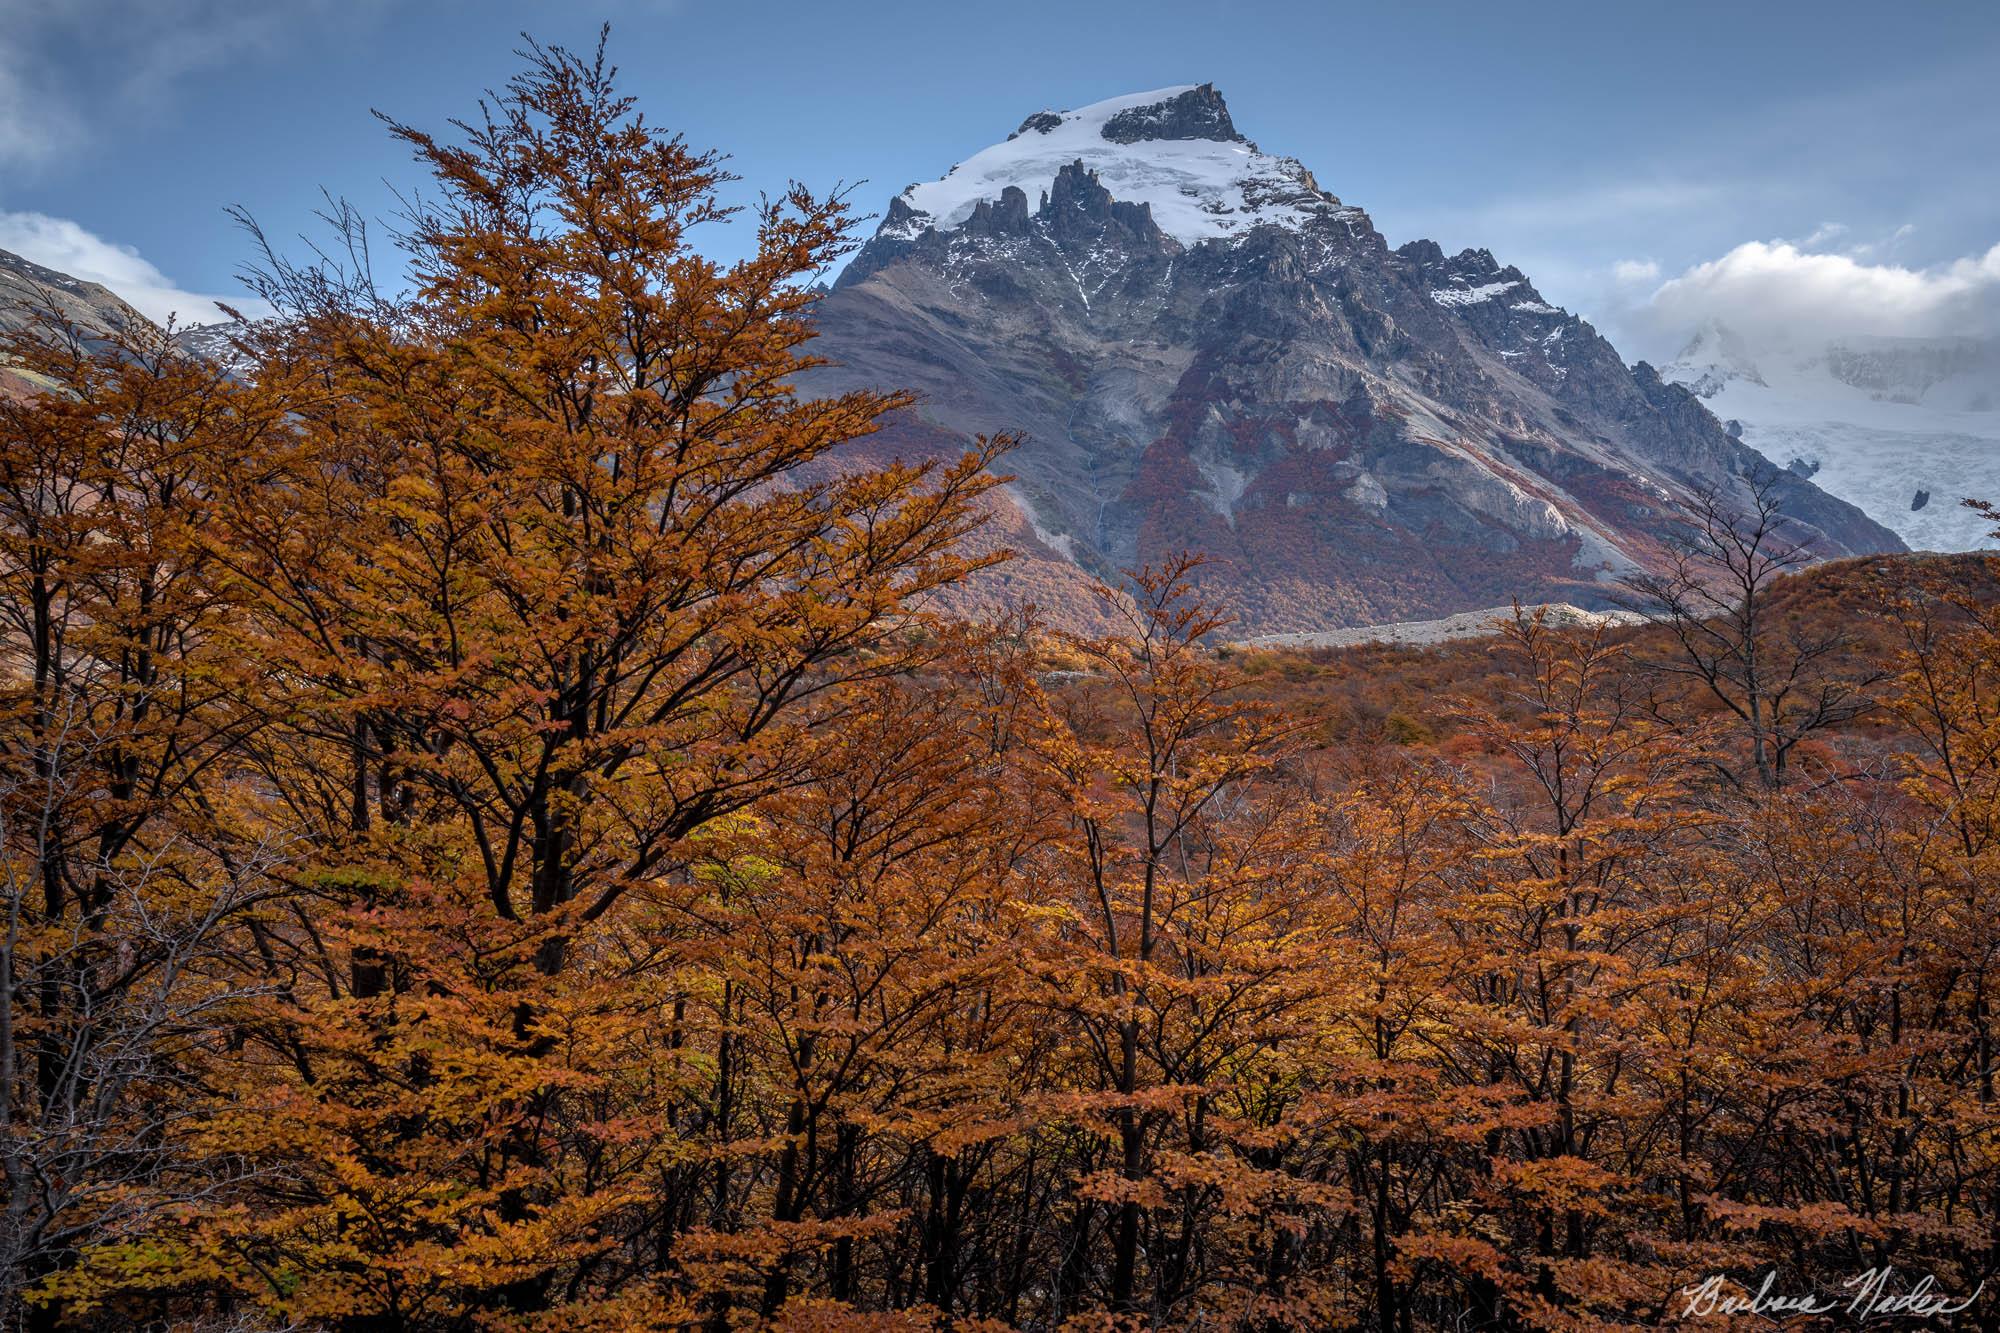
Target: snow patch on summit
{"type": "Point", "coordinates": [1199, 189]}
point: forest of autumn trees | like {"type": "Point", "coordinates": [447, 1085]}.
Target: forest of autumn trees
{"type": "Point", "coordinates": [501, 832]}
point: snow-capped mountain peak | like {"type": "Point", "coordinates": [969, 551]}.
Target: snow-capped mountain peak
{"type": "Point", "coordinates": [1174, 150]}
{"type": "Point", "coordinates": [1714, 357]}
{"type": "Point", "coordinates": [1199, 349]}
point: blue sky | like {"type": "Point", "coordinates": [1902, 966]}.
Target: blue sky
{"type": "Point", "coordinates": [1625, 156]}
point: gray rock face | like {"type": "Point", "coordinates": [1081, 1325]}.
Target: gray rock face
{"type": "Point", "coordinates": [1350, 433]}
{"type": "Point", "coordinates": [1198, 113]}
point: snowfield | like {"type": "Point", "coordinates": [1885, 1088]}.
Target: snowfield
{"type": "Point", "coordinates": [1904, 428]}
{"type": "Point", "coordinates": [1200, 189]}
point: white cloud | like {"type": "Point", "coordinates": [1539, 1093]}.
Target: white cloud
{"type": "Point", "coordinates": [1632, 272]}
{"type": "Point", "coordinates": [1778, 291]}
{"type": "Point", "coordinates": [61, 244]}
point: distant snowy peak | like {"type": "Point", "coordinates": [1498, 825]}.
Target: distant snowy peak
{"type": "Point", "coordinates": [1713, 358]}
{"type": "Point", "coordinates": [1174, 151]}
{"type": "Point", "coordinates": [218, 344]}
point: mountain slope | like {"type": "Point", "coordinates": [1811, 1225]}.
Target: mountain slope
{"type": "Point", "coordinates": [1207, 351]}
{"type": "Point", "coordinates": [1904, 428]}
{"type": "Point", "coordinates": [29, 291]}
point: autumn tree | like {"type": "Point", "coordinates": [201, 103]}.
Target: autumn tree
{"type": "Point", "coordinates": [1174, 954]}
{"type": "Point", "coordinates": [846, 965]}
{"type": "Point", "coordinates": [1593, 860]}
{"type": "Point", "coordinates": [1380, 1116]}
{"type": "Point", "coordinates": [1734, 641]}
{"type": "Point", "coordinates": [127, 884]}
{"type": "Point", "coordinates": [552, 568]}
{"type": "Point", "coordinates": [1939, 981]}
